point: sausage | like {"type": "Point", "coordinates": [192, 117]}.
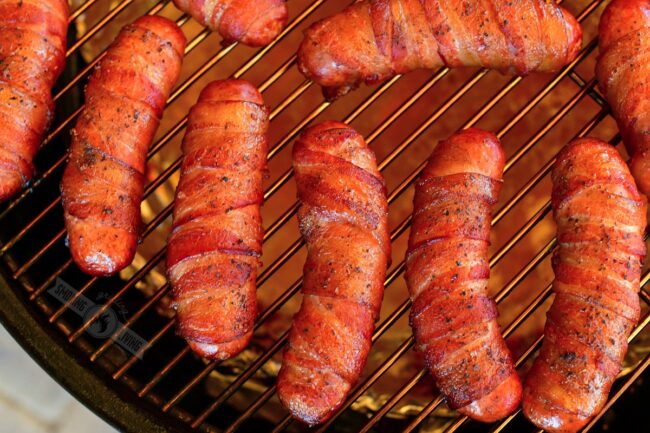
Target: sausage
{"type": "Point", "coordinates": [255, 23]}
{"type": "Point", "coordinates": [103, 183]}
{"type": "Point", "coordinates": [343, 218]}
{"type": "Point", "coordinates": [373, 40]}
{"type": "Point", "coordinates": [32, 56]}
{"type": "Point", "coordinates": [447, 271]}
{"type": "Point", "coordinates": [623, 72]}
{"type": "Point", "coordinates": [216, 239]}
{"type": "Point", "coordinates": [600, 219]}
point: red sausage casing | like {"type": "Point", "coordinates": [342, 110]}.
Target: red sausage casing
{"type": "Point", "coordinates": [447, 271]}
{"type": "Point", "coordinates": [103, 183]}
{"type": "Point", "coordinates": [32, 54]}
{"type": "Point", "coordinates": [216, 239]}
{"type": "Point", "coordinates": [343, 218]}
{"type": "Point", "coordinates": [251, 22]}
{"type": "Point", "coordinates": [623, 72]}
{"type": "Point", "coordinates": [600, 219]}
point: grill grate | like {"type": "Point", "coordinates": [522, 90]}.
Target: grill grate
{"type": "Point", "coordinates": [400, 119]}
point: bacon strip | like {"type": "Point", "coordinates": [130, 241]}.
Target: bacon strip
{"type": "Point", "coordinates": [623, 72]}
{"type": "Point", "coordinates": [373, 40]}
{"type": "Point", "coordinates": [447, 271]}
{"type": "Point", "coordinates": [32, 56]}
{"type": "Point", "coordinates": [255, 23]}
{"type": "Point", "coordinates": [103, 183]}
{"type": "Point", "coordinates": [343, 218]}
{"type": "Point", "coordinates": [600, 219]}
{"type": "Point", "coordinates": [216, 239]}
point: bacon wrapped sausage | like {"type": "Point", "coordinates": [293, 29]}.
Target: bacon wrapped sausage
{"type": "Point", "coordinates": [343, 219]}
{"type": "Point", "coordinates": [623, 72]}
{"type": "Point", "coordinates": [447, 271]}
{"type": "Point", "coordinates": [600, 219]}
{"type": "Point", "coordinates": [255, 23]}
{"type": "Point", "coordinates": [32, 56]}
{"type": "Point", "coordinates": [103, 182]}
{"type": "Point", "coordinates": [217, 233]}
{"type": "Point", "coordinates": [373, 40]}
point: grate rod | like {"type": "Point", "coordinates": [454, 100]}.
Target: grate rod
{"type": "Point", "coordinates": [140, 274]}
{"type": "Point", "coordinates": [81, 9]}
{"type": "Point", "coordinates": [266, 395]}
{"type": "Point", "coordinates": [544, 130]}
{"type": "Point", "coordinates": [159, 375]}
{"type": "Point", "coordinates": [395, 398]}
{"type": "Point", "coordinates": [97, 27]}
{"type": "Point", "coordinates": [169, 325]}
{"type": "Point", "coordinates": [128, 323]}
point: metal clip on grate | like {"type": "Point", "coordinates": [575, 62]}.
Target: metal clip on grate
{"type": "Point", "coordinates": [163, 373]}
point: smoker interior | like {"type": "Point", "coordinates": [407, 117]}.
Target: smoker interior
{"type": "Point", "coordinates": [163, 386]}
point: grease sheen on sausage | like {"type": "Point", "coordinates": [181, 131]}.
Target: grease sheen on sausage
{"type": "Point", "coordinates": [623, 72]}
{"type": "Point", "coordinates": [373, 40]}
{"type": "Point", "coordinates": [32, 56]}
{"type": "Point", "coordinates": [216, 239]}
{"type": "Point", "coordinates": [600, 219]}
{"type": "Point", "coordinates": [343, 218]}
{"type": "Point", "coordinates": [251, 22]}
{"type": "Point", "coordinates": [447, 271]}
{"type": "Point", "coordinates": [103, 183]}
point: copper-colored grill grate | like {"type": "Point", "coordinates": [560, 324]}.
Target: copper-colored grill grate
{"type": "Point", "coordinates": [402, 120]}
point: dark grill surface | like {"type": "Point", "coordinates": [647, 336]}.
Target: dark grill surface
{"type": "Point", "coordinates": [152, 369]}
